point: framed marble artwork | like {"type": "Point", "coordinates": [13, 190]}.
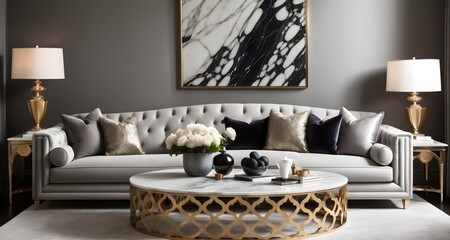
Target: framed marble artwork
{"type": "Point", "coordinates": [243, 44]}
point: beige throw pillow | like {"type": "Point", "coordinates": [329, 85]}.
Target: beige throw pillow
{"type": "Point", "coordinates": [121, 138]}
{"type": "Point", "coordinates": [287, 133]}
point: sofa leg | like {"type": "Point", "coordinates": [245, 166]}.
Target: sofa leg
{"type": "Point", "coordinates": [405, 203]}
{"type": "Point", "coordinates": [37, 204]}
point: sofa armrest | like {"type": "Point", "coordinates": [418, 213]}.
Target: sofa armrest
{"type": "Point", "coordinates": [43, 143]}
{"type": "Point", "coordinates": [400, 143]}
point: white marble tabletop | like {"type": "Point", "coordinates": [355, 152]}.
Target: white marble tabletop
{"type": "Point", "coordinates": [434, 143]}
{"type": "Point", "coordinates": [176, 181]}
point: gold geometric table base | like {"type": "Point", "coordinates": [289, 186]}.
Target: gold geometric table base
{"type": "Point", "coordinates": [194, 216]}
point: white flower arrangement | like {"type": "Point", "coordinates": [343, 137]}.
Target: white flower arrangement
{"type": "Point", "coordinates": [198, 138]}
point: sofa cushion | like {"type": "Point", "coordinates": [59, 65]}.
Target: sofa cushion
{"type": "Point", "coordinates": [119, 168]}
{"type": "Point", "coordinates": [121, 138]}
{"type": "Point", "coordinates": [355, 168]}
{"type": "Point", "coordinates": [322, 136]}
{"type": "Point", "coordinates": [61, 156]}
{"type": "Point", "coordinates": [287, 133]}
{"type": "Point", "coordinates": [357, 136]}
{"type": "Point", "coordinates": [248, 135]}
{"type": "Point", "coordinates": [84, 134]}
{"type": "Point", "coordinates": [113, 168]}
{"type": "Point", "coordinates": [381, 154]}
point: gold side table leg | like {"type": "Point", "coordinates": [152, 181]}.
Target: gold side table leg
{"type": "Point", "coordinates": [11, 156]}
{"type": "Point", "coordinates": [10, 168]}
{"type": "Point", "coordinates": [441, 174]}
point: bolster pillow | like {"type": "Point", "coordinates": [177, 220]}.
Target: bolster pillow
{"type": "Point", "coordinates": [381, 154]}
{"type": "Point", "coordinates": [61, 156]}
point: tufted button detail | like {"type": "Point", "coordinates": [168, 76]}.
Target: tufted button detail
{"type": "Point", "coordinates": [166, 129]}
{"type": "Point", "coordinates": [157, 114]}
{"type": "Point", "coordinates": [144, 116]}
{"type": "Point", "coordinates": [173, 112]}
{"type": "Point", "coordinates": [149, 130]}
{"type": "Point", "coordinates": [244, 110]}
{"type": "Point", "coordinates": [221, 109]}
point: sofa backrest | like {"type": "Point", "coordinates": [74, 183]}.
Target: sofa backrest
{"type": "Point", "coordinates": [155, 125]}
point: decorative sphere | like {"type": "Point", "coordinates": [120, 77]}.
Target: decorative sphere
{"type": "Point", "coordinates": [254, 155]}
{"type": "Point", "coordinates": [223, 163]}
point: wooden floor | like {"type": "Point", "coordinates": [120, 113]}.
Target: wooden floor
{"type": "Point", "coordinates": [23, 201]}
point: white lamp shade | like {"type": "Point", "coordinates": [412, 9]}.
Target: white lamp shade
{"type": "Point", "coordinates": [421, 75]}
{"type": "Point", "coordinates": [37, 63]}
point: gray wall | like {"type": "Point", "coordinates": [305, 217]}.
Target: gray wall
{"type": "Point", "coordinates": [447, 86]}
{"type": "Point", "coordinates": [122, 55]}
{"type": "Point", "coordinates": [3, 147]}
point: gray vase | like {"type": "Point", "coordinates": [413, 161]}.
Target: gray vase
{"type": "Point", "coordinates": [197, 164]}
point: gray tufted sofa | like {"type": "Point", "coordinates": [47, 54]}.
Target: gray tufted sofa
{"type": "Point", "coordinates": [106, 177]}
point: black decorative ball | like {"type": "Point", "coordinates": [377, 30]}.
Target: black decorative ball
{"type": "Point", "coordinates": [223, 163]}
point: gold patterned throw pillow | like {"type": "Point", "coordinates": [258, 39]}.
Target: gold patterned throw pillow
{"type": "Point", "coordinates": [121, 138]}
{"type": "Point", "coordinates": [287, 133]}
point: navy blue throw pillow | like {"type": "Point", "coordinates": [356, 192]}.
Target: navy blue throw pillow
{"type": "Point", "coordinates": [322, 136]}
{"type": "Point", "coordinates": [248, 135]}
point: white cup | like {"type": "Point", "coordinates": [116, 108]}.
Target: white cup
{"type": "Point", "coordinates": [285, 165]}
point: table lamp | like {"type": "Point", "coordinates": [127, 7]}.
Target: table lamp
{"type": "Point", "coordinates": [37, 63]}
{"type": "Point", "coordinates": [414, 75]}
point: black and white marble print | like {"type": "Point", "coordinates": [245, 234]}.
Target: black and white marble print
{"type": "Point", "coordinates": [243, 43]}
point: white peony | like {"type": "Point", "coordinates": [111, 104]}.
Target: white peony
{"type": "Point", "coordinates": [217, 138]}
{"type": "Point", "coordinates": [230, 133]}
{"type": "Point", "coordinates": [195, 141]}
{"type": "Point", "coordinates": [207, 140]}
{"type": "Point", "coordinates": [199, 136]}
{"type": "Point", "coordinates": [171, 140]}
{"type": "Point", "coordinates": [179, 132]}
{"type": "Point", "coordinates": [182, 141]}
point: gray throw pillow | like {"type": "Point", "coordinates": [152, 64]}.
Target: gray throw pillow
{"type": "Point", "coordinates": [287, 133]}
{"type": "Point", "coordinates": [61, 156]}
{"type": "Point", "coordinates": [84, 134]}
{"type": "Point", "coordinates": [121, 138]}
{"type": "Point", "coordinates": [357, 136]}
{"type": "Point", "coordinates": [381, 154]}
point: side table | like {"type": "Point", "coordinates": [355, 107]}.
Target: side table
{"type": "Point", "coordinates": [21, 146]}
{"type": "Point", "coordinates": [425, 152]}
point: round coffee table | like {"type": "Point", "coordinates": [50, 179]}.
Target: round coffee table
{"type": "Point", "coordinates": [170, 204]}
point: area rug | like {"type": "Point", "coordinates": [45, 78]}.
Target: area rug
{"type": "Point", "coordinates": [110, 220]}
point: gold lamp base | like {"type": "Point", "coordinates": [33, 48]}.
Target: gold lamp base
{"type": "Point", "coordinates": [415, 113]}
{"type": "Point", "coordinates": [37, 106]}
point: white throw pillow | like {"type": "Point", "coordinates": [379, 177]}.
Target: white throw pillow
{"type": "Point", "coordinates": [381, 154]}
